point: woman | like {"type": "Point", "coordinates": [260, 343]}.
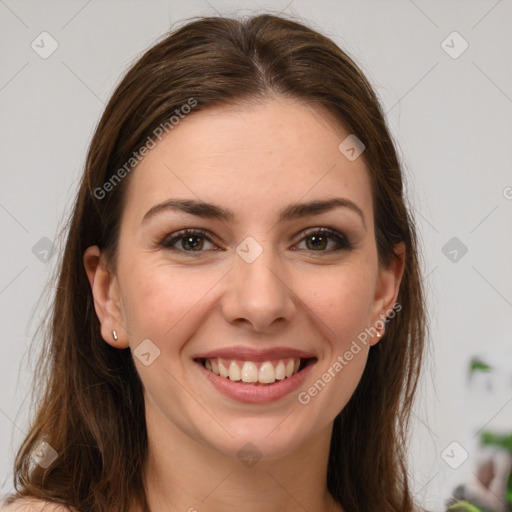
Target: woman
{"type": "Point", "coordinates": [239, 317]}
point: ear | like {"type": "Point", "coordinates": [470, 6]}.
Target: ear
{"type": "Point", "coordinates": [105, 291]}
{"type": "Point", "coordinates": [386, 291]}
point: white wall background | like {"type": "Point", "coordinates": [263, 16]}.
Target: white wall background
{"type": "Point", "coordinates": [452, 118]}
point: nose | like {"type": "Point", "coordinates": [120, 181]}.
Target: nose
{"type": "Point", "coordinates": [259, 294]}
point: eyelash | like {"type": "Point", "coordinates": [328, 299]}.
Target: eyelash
{"type": "Point", "coordinates": [167, 241]}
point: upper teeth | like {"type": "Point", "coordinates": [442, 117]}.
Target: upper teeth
{"type": "Point", "coordinates": [265, 372]}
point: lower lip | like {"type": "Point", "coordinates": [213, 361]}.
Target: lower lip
{"type": "Point", "coordinates": [251, 394]}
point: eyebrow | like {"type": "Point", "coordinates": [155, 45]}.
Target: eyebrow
{"type": "Point", "coordinates": [291, 212]}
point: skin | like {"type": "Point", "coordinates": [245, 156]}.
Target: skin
{"type": "Point", "coordinates": [255, 160]}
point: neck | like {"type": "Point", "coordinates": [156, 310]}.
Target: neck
{"type": "Point", "coordinates": [184, 475]}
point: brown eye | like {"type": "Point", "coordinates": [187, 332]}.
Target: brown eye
{"type": "Point", "coordinates": [187, 240]}
{"type": "Point", "coordinates": [318, 239]}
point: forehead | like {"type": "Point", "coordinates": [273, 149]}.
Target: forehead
{"type": "Point", "coordinates": [263, 155]}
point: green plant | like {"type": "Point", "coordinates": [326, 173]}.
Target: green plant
{"type": "Point", "coordinates": [488, 438]}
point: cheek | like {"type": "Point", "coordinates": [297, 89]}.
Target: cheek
{"type": "Point", "coordinates": [159, 299]}
{"type": "Point", "coordinates": [341, 299]}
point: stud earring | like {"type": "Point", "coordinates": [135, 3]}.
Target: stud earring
{"type": "Point", "coordinates": [114, 335]}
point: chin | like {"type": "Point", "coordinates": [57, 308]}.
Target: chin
{"type": "Point", "coordinates": [260, 438]}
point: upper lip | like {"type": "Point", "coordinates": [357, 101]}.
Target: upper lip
{"type": "Point", "coordinates": [251, 354]}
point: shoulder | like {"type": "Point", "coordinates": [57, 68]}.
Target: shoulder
{"type": "Point", "coordinates": [33, 505]}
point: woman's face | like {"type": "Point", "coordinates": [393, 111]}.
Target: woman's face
{"type": "Point", "coordinates": [256, 286]}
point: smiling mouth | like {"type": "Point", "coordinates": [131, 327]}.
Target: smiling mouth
{"type": "Point", "coordinates": [264, 373]}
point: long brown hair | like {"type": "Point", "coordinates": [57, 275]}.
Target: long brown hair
{"type": "Point", "coordinates": [91, 407]}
